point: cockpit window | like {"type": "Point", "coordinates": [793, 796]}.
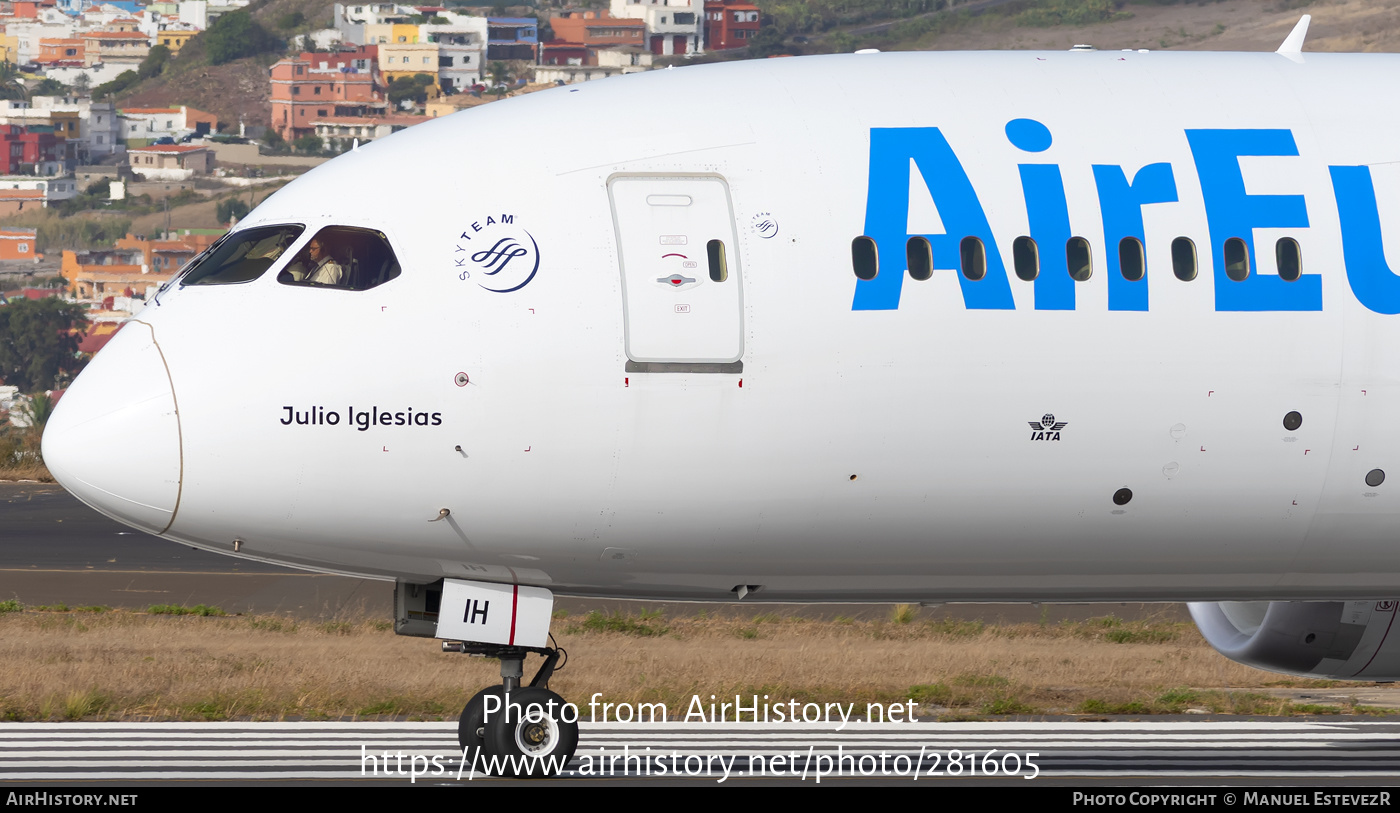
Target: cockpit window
{"type": "Point", "coordinates": [343, 257]}
{"type": "Point", "coordinates": [241, 256]}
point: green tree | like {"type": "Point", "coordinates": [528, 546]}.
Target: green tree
{"type": "Point", "coordinates": [413, 87]}
{"type": "Point", "coordinates": [49, 87]}
{"type": "Point", "coordinates": [232, 208]}
{"type": "Point", "coordinates": [10, 86]}
{"type": "Point", "coordinates": [154, 63]}
{"type": "Point", "coordinates": [769, 41]}
{"type": "Point", "coordinates": [81, 83]}
{"type": "Point", "coordinates": [290, 20]}
{"type": "Point", "coordinates": [500, 73]}
{"type": "Point", "coordinates": [39, 342]}
{"type": "Point", "coordinates": [124, 80]}
{"type": "Point", "coordinates": [236, 35]}
{"type": "Point", "coordinates": [308, 144]}
{"type": "Point", "coordinates": [38, 410]}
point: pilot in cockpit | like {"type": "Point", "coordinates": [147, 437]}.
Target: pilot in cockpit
{"type": "Point", "coordinates": [315, 266]}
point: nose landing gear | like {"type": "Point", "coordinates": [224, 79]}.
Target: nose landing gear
{"type": "Point", "coordinates": [513, 730]}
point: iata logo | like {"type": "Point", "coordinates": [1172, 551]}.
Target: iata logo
{"type": "Point", "coordinates": [1047, 428]}
{"type": "Point", "coordinates": [502, 256]}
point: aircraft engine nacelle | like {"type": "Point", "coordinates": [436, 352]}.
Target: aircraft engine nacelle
{"type": "Point", "coordinates": [1338, 640]}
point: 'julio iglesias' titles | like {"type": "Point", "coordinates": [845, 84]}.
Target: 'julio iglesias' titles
{"type": "Point", "coordinates": [361, 419]}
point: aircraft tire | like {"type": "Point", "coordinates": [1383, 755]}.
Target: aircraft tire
{"type": "Point", "coordinates": [470, 733]}
{"type": "Point", "coordinates": [532, 736]}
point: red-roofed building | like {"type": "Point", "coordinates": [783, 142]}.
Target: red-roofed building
{"type": "Point", "coordinates": [730, 24]}
{"type": "Point", "coordinates": [157, 159]}
{"type": "Point", "coordinates": [360, 59]}
{"type": "Point", "coordinates": [61, 52]}
{"type": "Point", "coordinates": [18, 244]}
{"type": "Point", "coordinates": [97, 336]}
{"type": "Point", "coordinates": [118, 47]}
{"type": "Point", "coordinates": [316, 86]}
{"type": "Point", "coordinates": [93, 275]}
{"type": "Point", "coordinates": [166, 256]}
{"type": "Point", "coordinates": [13, 201]}
{"type": "Point", "coordinates": [21, 145]}
{"type": "Point", "coordinates": [579, 34]}
{"type": "Point", "coordinates": [32, 293]}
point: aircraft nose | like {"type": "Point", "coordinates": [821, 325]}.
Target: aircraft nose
{"type": "Point", "coordinates": [113, 440]}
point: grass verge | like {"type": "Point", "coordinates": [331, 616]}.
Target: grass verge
{"type": "Point", "coordinates": [195, 663]}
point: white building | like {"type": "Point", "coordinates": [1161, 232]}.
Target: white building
{"type": "Point", "coordinates": [630, 58]}
{"type": "Point", "coordinates": [461, 48]}
{"type": "Point", "coordinates": [28, 35]}
{"type": "Point", "coordinates": [341, 133]}
{"type": "Point", "coordinates": [195, 13]}
{"type": "Point", "coordinates": [673, 26]}
{"type": "Point", "coordinates": [100, 132]}
{"type": "Point", "coordinates": [372, 13]}
{"type": "Point", "coordinates": [99, 74]}
{"type": "Point", "coordinates": [459, 66]}
{"type": "Point", "coordinates": [324, 39]}
{"type": "Point", "coordinates": [161, 122]}
{"type": "Point", "coordinates": [55, 188]}
{"type": "Point", "coordinates": [202, 13]}
{"type": "Point", "coordinates": [98, 15]}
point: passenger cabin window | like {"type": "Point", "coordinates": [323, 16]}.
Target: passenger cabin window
{"type": "Point", "coordinates": [919, 253]}
{"type": "Point", "coordinates": [343, 257]}
{"type": "Point", "coordinates": [719, 267]}
{"type": "Point", "coordinates": [1236, 259]}
{"type": "Point", "coordinates": [1131, 260]}
{"type": "Point", "coordinates": [1025, 255]}
{"type": "Point", "coordinates": [1290, 259]}
{"type": "Point", "coordinates": [864, 258]}
{"type": "Point", "coordinates": [974, 258]}
{"type": "Point", "coordinates": [1184, 259]}
{"type": "Point", "coordinates": [241, 256]}
{"type": "Point", "coordinates": [1079, 259]}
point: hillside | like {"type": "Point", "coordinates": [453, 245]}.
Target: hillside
{"type": "Point", "coordinates": [234, 89]}
{"type": "Point", "coordinates": [240, 88]}
{"type": "Point", "coordinates": [1232, 25]}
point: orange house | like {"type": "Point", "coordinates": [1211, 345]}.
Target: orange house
{"type": "Point", "coordinates": [64, 52]}
{"type": "Point", "coordinates": [17, 244]}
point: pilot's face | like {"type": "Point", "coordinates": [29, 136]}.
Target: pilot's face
{"type": "Point", "coordinates": [314, 250]}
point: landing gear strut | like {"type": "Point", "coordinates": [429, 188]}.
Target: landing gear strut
{"type": "Point", "coordinates": [526, 728]}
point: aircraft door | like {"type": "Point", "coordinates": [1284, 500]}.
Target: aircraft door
{"type": "Point", "coordinates": [681, 287]}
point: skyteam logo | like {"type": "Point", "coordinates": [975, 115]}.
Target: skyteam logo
{"type": "Point", "coordinates": [501, 256]}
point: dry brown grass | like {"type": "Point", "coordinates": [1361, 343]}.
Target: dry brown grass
{"type": "Point", "coordinates": [117, 665]}
{"type": "Point", "coordinates": [26, 471]}
{"type": "Point", "coordinates": [19, 454]}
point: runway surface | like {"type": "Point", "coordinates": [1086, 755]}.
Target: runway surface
{"type": "Point", "coordinates": [1334, 752]}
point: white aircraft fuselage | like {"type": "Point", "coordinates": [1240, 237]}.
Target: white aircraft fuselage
{"type": "Point", "coordinates": [557, 368]}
